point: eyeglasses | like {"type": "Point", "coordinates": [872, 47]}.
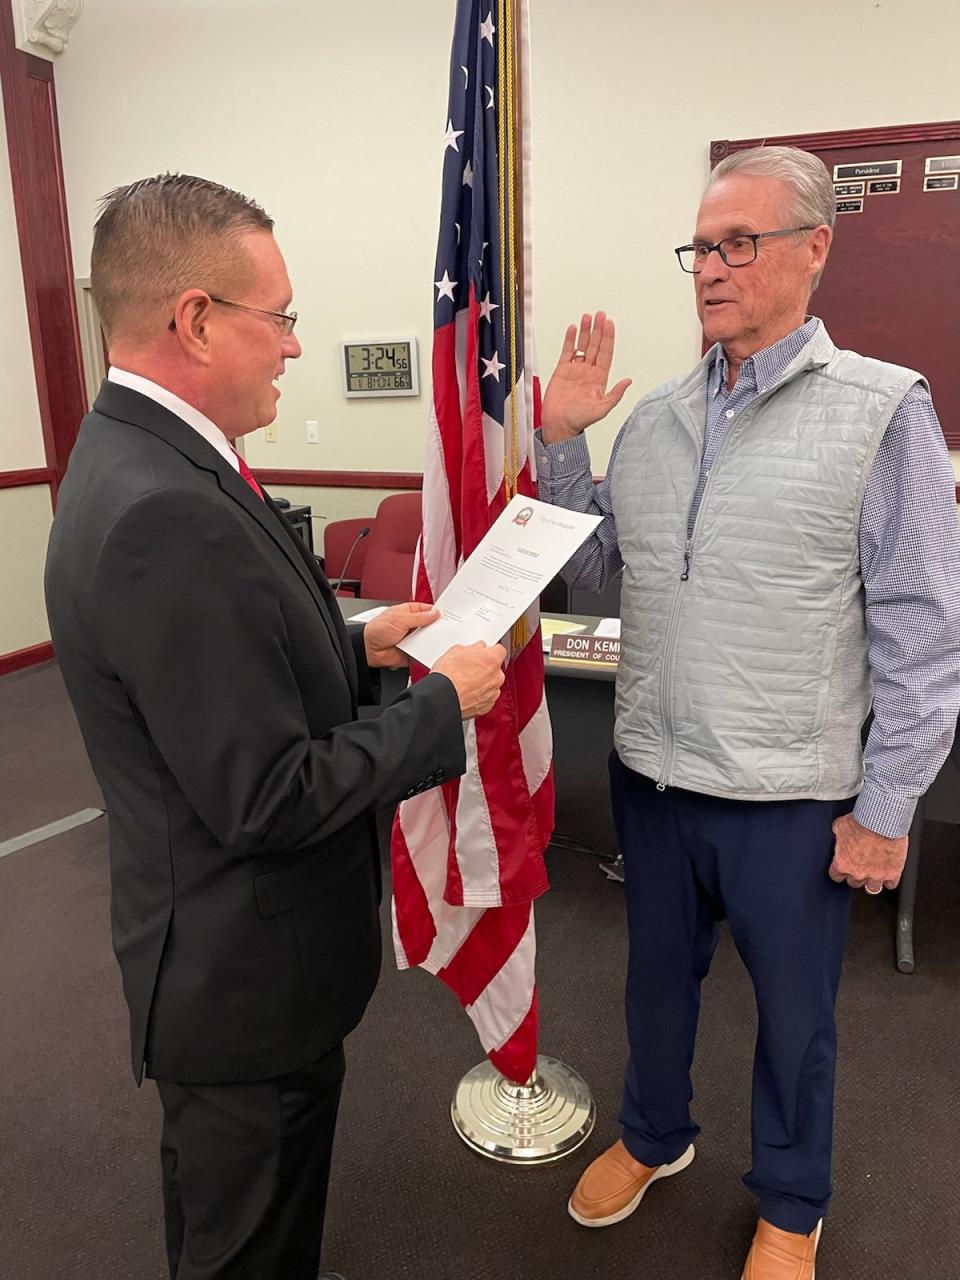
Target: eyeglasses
{"type": "Point", "coordinates": [736, 251]}
{"type": "Point", "coordinates": [287, 320]}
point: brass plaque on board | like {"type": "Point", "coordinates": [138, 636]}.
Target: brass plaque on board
{"type": "Point", "coordinates": [867, 169]}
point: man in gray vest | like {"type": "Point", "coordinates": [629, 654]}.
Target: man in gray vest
{"type": "Point", "coordinates": [785, 521]}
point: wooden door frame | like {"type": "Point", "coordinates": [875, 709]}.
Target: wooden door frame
{"type": "Point", "coordinates": [39, 199]}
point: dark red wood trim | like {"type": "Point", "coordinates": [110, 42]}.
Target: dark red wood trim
{"type": "Point", "coordinates": [891, 135]}
{"type": "Point", "coordinates": [36, 171]}
{"type": "Point", "coordinates": [21, 658]}
{"type": "Point", "coordinates": [20, 479]}
{"type": "Point", "coordinates": [342, 479]}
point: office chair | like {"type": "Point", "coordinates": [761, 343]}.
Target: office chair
{"type": "Point", "coordinates": [388, 567]}
{"type": "Point", "coordinates": [344, 552]}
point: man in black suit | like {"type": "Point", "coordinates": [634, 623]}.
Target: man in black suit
{"type": "Point", "coordinates": [218, 690]}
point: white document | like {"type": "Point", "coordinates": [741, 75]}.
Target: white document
{"type": "Point", "coordinates": [367, 615]}
{"type": "Point", "coordinates": [608, 627]}
{"type": "Point", "coordinates": [521, 552]}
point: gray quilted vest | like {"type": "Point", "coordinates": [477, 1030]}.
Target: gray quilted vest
{"type": "Point", "coordinates": [743, 669]}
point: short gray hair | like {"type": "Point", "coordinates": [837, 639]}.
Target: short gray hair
{"type": "Point", "coordinates": [813, 202]}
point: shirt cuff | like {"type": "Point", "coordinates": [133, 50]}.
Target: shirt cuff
{"type": "Point", "coordinates": [883, 813]}
{"type": "Point", "coordinates": [563, 460]}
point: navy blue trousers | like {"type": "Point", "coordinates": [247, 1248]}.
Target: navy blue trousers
{"type": "Point", "coordinates": [690, 861]}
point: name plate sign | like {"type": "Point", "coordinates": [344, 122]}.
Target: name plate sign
{"type": "Point", "coordinates": [942, 164]}
{"type": "Point", "coordinates": [867, 169]}
{"type": "Point", "coordinates": [597, 651]}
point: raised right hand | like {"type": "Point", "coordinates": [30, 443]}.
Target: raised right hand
{"type": "Point", "coordinates": [476, 672]}
{"type": "Point", "coordinates": [577, 394]}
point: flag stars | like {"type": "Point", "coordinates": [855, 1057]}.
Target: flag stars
{"type": "Point", "coordinates": [486, 306]}
{"type": "Point", "coordinates": [487, 28]}
{"type": "Point", "coordinates": [445, 287]}
{"type": "Point", "coordinates": [493, 367]}
{"type": "Point", "coordinates": [489, 89]}
{"type": "Point", "coordinates": [486, 245]}
{"type": "Point", "coordinates": [468, 174]}
{"type": "Point", "coordinates": [451, 136]}
{"type": "Point", "coordinates": [466, 76]}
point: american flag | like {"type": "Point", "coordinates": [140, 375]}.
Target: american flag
{"type": "Point", "coordinates": [468, 857]}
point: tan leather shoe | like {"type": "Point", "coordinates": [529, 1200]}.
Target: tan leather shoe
{"type": "Point", "coordinates": [781, 1255]}
{"type": "Point", "coordinates": [613, 1186]}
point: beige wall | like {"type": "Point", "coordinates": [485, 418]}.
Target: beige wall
{"type": "Point", "coordinates": [332, 115]}
{"type": "Point", "coordinates": [24, 513]}
{"type": "Point", "coordinates": [21, 440]}
{"type": "Point", "coordinates": [25, 516]}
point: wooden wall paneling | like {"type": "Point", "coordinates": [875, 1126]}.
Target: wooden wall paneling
{"type": "Point", "coordinates": [36, 171]}
{"type": "Point", "coordinates": [341, 479]}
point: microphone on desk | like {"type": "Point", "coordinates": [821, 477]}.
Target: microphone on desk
{"type": "Point", "coordinates": [335, 586]}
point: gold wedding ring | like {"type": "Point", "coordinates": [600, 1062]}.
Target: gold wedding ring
{"type": "Point", "coordinates": [579, 355]}
{"type": "Point", "coordinates": [873, 892]}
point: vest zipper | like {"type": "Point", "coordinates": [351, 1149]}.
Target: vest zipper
{"type": "Point", "coordinates": [666, 675]}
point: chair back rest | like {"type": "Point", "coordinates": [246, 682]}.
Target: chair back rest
{"type": "Point", "coordinates": [340, 543]}
{"type": "Point", "coordinates": [388, 567]}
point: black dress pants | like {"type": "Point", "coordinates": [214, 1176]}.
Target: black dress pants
{"type": "Point", "coordinates": [245, 1173]}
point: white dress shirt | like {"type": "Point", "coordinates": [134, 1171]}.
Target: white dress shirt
{"type": "Point", "coordinates": [191, 416]}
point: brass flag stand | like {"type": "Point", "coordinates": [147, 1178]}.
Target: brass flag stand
{"type": "Point", "coordinates": [534, 1123]}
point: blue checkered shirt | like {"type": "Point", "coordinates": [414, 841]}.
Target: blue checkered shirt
{"type": "Point", "coordinates": [909, 563]}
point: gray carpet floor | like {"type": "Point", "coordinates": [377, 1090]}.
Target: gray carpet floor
{"type": "Point", "coordinates": [79, 1179]}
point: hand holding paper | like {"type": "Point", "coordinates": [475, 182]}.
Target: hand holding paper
{"type": "Point", "coordinates": [476, 672]}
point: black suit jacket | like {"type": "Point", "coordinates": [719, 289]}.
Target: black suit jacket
{"type": "Point", "coordinates": [217, 691]}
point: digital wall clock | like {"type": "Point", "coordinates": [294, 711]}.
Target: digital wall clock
{"type": "Point", "coordinates": [387, 368]}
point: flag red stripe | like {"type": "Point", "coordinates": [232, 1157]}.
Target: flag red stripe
{"type": "Point", "coordinates": [517, 1059]}
{"type": "Point", "coordinates": [414, 918]}
{"type": "Point", "coordinates": [491, 942]}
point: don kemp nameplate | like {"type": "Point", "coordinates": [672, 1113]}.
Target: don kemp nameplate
{"type": "Point", "coordinates": [596, 651]}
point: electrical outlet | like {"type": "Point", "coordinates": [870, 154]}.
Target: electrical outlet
{"type": "Point", "coordinates": [270, 433]}
{"type": "Point", "coordinates": [313, 432]}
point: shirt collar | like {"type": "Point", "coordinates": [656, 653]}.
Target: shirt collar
{"type": "Point", "coordinates": [186, 412]}
{"type": "Point", "coordinates": [764, 368]}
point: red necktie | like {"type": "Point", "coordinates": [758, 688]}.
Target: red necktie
{"type": "Point", "coordinates": [249, 476]}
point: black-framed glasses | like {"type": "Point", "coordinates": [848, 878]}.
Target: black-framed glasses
{"type": "Point", "coordinates": [736, 251]}
{"type": "Point", "coordinates": [287, 319]}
